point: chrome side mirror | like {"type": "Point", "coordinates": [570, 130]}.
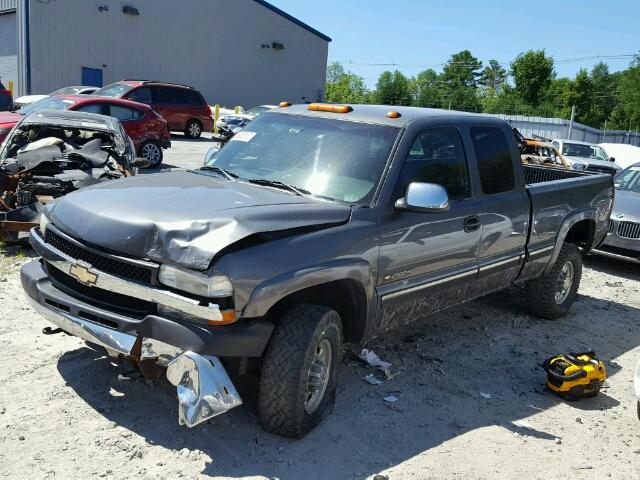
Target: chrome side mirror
{"type": "Point", "coordinates": [424, 197]}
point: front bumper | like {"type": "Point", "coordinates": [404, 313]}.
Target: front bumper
{"type": "Point", "coordinates": [204, 389]}
{"type": "Point", "coordinates": [620, 248]}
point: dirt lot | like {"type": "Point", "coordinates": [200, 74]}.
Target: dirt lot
{"type": "Point", "coordinates": [65, 414]}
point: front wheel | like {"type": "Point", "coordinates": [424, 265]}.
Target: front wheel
{"type": "Point", "coordinates": [299, 371]}
{"type": "Point", "coordinates": [552, 295]}
{"type": "Point", "coordinates": [152, 152]}
{"type": "Point", "coordinates": [193, 129]}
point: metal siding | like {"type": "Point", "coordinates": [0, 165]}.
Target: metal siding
{"type": "Point", "coordinates": [8, 49]}
{"type": "Point", "coordinates": [7, 5]}
{"type": "Point", "coordinates": [214, 45]}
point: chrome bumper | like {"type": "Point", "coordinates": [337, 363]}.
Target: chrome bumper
{"type": "Point", "coordinates": [203, 386]}
{"type": "Point", "coordinates": [105, 281]}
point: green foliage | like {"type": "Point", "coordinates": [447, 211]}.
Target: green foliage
{"type": "Point", "coordinates": [532, 73]}
{"type": "Point", "coordinates": [530, 88]}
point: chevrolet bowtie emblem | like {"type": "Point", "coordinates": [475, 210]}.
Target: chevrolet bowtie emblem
{"type": "Point", "coordinates": [82, 274]}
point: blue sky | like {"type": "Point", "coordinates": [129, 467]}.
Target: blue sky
{"type": "Point", "coordinates": [419, 32]}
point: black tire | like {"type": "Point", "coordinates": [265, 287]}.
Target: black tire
{"type": "Point", "coordinates": [284, 399]}
{"type": "Point", "coordinates": [541, 293]}
{"type": "Point", "coordinates": [152, 152]}
{"type": "Point", "coordinates": [193, 129]}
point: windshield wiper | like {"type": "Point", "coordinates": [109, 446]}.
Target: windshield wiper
{"type": "Point", "coordinates": [278, 184]}
{"type": "Point", "coordinates": [227, 174]}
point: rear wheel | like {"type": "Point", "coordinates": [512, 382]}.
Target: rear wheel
{"type": "Point", "coordinates": [193, 129]}
{"type": "Point", "coordinates": [152, 152]}
{"type": "Point", "coordinates": [299, 372]}
{"type": "Point", "coordinates": [552, 295]}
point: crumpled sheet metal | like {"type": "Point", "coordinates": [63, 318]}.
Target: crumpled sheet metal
{"type": "Point", "coordinates": [181, 217]}
{"type": "Point", "coordinates": [204, 388]}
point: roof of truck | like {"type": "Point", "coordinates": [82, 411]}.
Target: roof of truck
{"type": "Point", "coordinates": [377, 113]}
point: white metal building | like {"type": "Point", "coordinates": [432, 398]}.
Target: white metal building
{"type": "Point", "coordinates": [236, 52]}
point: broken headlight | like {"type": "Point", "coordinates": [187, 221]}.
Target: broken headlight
{"type": "Point", "coordinates": [44, 221]}
{"type": "Point", "coordinates": [209, 286]}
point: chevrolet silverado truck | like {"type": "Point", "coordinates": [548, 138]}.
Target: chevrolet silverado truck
{"type": "Point", "coordinates": [317, 225]}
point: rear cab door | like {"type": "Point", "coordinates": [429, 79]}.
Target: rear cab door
{"type": "Point", "coordinates": [504, 215]}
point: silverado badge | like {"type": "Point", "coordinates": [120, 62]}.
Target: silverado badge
{"type": "Point", "coordinates": [82, 274]}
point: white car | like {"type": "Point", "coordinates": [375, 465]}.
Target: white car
{"type": "Point", "coordinates": [625, 154]}
{"type": "Point", "coordinates": [250, 114]}
{"type": "Point", "coordinates": [586, 156]}
{"type": "Point", "coordinates": [77, 90]}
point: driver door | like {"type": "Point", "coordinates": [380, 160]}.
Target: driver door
{"type": "Point", "coordinates": [429, 261]}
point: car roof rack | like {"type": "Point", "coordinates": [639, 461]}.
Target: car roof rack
{"type": "Point", "coordinates": [155, 81]}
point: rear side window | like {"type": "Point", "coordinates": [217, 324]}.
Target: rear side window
{"type": "Point", "coordinates": [142, 95]}
{"type": "Point", "coordinates": [169, 95]}
{"type": "Point", "coordinates": [124, 113]}
{"type": "Point", "coordinates": [91, 108]}
{"type": "Point", "coordinates": [191, 97]}
{"type": "Point", "coordinates": [436, 156]}
{"type": "Point", "coordinates": [494, 159]}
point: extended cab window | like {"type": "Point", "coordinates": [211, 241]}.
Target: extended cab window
{"type": "Point", "coordinates": [436, 156]}
{"type": "Point", "coordinates": [494, 159]}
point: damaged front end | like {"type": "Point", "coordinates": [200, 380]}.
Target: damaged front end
{"type": "Point", "coordinates": [46, 157]}
{"type": "Point", "coordinates": [203, 386]}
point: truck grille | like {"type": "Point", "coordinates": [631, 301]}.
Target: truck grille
{"type": "Point", "coordinates": [629, 230]}
{"type": "Point", "coordinates": [107, 264]}
{"type": "Point", "coordinates": [599, 169]}
{"type": "Point", "coordinates": [99, 297]}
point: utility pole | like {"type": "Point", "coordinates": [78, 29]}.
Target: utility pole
{"type": "Point", "coordinates": [604, 132]}
{"type": "Point", "coordinates": [449, 104]}
{"type": "Point", "coordinates": [573, 116]}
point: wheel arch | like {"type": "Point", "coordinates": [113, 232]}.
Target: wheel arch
{"type": "Point", "coordinates": [579, 229]}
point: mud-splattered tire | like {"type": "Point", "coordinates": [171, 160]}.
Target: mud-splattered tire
{"type": "Point", "coordinates": [552, 295]}
{"type": "Point", "coordinates": [296, 393]}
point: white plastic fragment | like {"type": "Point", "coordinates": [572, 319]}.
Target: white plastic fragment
{"type": "Point", "coordinates": [391, 399]}
{"type": "Point", "coordinates": [485, 395]}
{"type": "Point", "coordinates": [523, 424]}
{"type": "Point", "coordinates": [372, 379]}
{"type": "Point", "coordinates": [372, 359]}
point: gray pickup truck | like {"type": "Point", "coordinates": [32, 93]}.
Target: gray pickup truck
{"type": "Point", "coordinates": [315, 226]}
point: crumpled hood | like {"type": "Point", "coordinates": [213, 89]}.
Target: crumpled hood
{"type": "Point", "coordinates": [183, 217]}
{"type": "Point", "coordinates": [627, 204]}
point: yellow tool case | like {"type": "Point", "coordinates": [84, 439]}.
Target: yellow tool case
{"type": "Point", "coordinates": [575, 375]}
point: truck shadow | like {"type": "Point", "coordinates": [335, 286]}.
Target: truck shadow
{"type": "Point", "coordinates": [473, 366]}
{"type": "Point", "coordinates": [618, 268]}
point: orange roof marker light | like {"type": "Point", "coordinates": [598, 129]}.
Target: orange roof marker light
{"type": "Point", "coordinates": [327, 107]}
{"type": "Point", "coordinates": [284, 104]}
{"type": "Point", "coordinates": [393, 114]}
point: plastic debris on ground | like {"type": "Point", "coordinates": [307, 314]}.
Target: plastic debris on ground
{"type": "Point", "coordinates": [523, 424]}
{"type": "Point", "coordinates": [391, 399]}
{"type": "Point", "coordinates": [372, 359]}
{"type": "Point", "coordinates": [372, 379]}
{"type": "Point", "coordinates": [485, 395]}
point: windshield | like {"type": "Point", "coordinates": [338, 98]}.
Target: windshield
{"type": "Point", "coordinates": [576, 150]}
{"type": "Point", "coordinates": [629, 180]}
{"type": "Point", "coordinates": [335, 159]}
{"type": "Point", "coordinates": [113, 90]}
{"type": "Point", "coordinates": [49, 103]}
{"type": "Point", "coordinates": [257, 111]}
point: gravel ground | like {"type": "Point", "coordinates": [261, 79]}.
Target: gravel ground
{"type": "Point", "coordinates": [467, 379]}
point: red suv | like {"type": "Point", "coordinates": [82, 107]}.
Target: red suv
{"type": "Point", "coordinates": [147, 129]}
{"type": "Point", "coordinates": [183, 107]}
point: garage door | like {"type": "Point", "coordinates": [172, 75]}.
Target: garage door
{"type": "Point", "coordinates": [8, 48]}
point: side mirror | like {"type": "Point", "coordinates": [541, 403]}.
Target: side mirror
{"type": "Point", "coordinates": [424, 197]}
{"type": "Point", "coordinates": [140, 162]}
{"type": "Point", "coordinates": [611, 159]}
{"type": "Point", "coordinates": [210, 154]}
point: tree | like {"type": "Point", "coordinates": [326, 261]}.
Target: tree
{"type": "Point", "coordinates": [460, 82]}
{"type": "Point", "coordinates": [344, 87]}
{"type": "Point", "coordinates": [532, 73]}
{"type": "Point", "coordinates": [581, 96]}
{"type": "Point", "coordinates": [604, 94]}
{"type": "Point", "coordinates": [626, 113]}
{"type": "Point", "coordinates": [426, 89]}
{"type": "Point", "coordinates": [393, 88]}
{"type": "Point", "coordinates": [493, 76]}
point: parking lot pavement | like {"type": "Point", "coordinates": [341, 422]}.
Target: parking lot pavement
{"type": "Point", "coordinates": [184, 153]}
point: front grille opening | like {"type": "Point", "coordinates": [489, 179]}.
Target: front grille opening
{"type": "Point", "coordinates": [95, 319]}
{"type": "Point", "coordinates": [57, 305]}
{"type": "Point", "coordinates": [106, 264]}
{"type": "Point", "coordinates": [112, 301]}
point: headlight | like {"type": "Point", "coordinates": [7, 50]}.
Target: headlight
{"type": "Point", "coordinates": [208, 286]}
{"type": "Point", "coordinates": [44, 221]}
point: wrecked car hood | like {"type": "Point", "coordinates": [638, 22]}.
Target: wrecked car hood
{"type": "Point", "coordinates": [182, 217]}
